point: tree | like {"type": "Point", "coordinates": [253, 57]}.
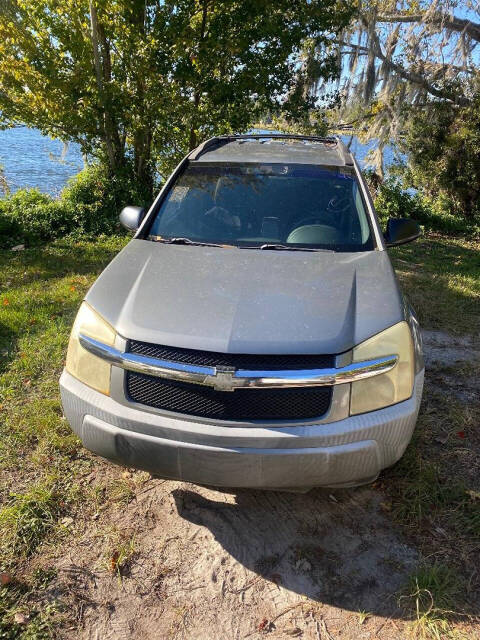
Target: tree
{"type": "Point", "coordinates": [443, 148]}
{"type": "Point", "coordinates": [405, 53]}
{"type": "Point", "coordinates": [138, 82]}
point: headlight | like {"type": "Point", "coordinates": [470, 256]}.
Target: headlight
{"type": "Point", "coordinates": [80, 363]}
{"type": "Point", "coordinates": [386, 388]}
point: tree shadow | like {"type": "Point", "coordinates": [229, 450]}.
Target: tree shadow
{"type": "Point", "coordinates": [334, 547]}
{"type": "Point", "coordinates": [59, 259]}
{"type": "Point", "coordinates": [7, 346]}
{"type": "Point", "coordinates": [37, 266]}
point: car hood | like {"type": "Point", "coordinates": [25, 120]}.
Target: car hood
{"type": "Point", "coordinates": [247, 301]}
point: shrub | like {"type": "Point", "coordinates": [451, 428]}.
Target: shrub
{"type": "Point", "coordinates": [97, 198]}
{"type": "Point", "coordinates": [442, 142]}
{"type": "Point", "coordinates": [88, 205]}
{"type": "Point", "coordinates": [29, 216]}
{"type": "Point", "coordinates": [435, 214]}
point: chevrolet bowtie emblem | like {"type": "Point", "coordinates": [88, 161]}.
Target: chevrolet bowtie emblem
{"type": "Point", "coordinates": [223, 380]}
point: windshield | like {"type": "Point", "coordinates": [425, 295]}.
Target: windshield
{"type": "Point", "coordinates": [261, 205]}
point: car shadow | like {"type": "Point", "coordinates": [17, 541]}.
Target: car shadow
{"type": "Point", "coordinates": [337, 548]}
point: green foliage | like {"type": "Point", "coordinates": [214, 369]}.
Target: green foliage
{"type": "Point", "coordinates": [30, 215]}
{"type": "Point", "coordinates": [95, 197]}
{"type": "Point", "coordinates": [392, 200]}
{"type": "Point", "coordinates": [89, 205]}
{"type": "Point", "coordinates": [28, 519]}
{"type": "Point", "coordinates": [442, 142]}
{"type": "Point", "coordinates": [143, 81]}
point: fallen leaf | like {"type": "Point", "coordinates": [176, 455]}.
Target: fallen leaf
{"type": "Point", "coordinates": [20, 618]}
{"type": "Point", "coordinates": [266, 625]}
{"type": "Point", "coordinates": [72, 288]}
{"type": "Point", "coordinates": [461, 434]}
{"type": "Point", "coordinates": [67, 521]}
{"type": "Point", "coordinates": [114, 561]}
{"type": "Point", "coordinates": [5, 578]}
{"type": "Point", "coordinates": [5, 302]}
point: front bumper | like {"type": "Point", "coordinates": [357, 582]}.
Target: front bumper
{"type": "Point", "coordinates": [341, 453]}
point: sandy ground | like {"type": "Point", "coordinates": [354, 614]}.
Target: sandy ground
{"type": "Point", "coordinates": [227, 565]}
{"type": "Point", "coordinates": [209, 564]}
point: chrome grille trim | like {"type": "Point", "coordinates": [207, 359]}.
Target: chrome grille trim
{"type": "Point", "coordinates": [231, 379]}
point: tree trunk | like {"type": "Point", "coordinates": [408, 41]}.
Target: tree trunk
{"type": "Point", "coordinates": [142, 137]}
{"type": "Point", "coordinates": [193, 139]}
{"type": "Point", "coordinates": [143, 166]}
{"type": "Point", "coordinates": [102, 63]}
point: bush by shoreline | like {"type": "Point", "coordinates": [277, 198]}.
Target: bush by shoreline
{"type": "Point", "coordinates": [87, 207]}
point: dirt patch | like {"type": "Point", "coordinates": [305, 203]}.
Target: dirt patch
{"type": "Point", "coordinates": [236, 563]}
{"type": "Point", "coordinates": [441, 348]}
{"type": "Point", "coordinates": [451, 364]}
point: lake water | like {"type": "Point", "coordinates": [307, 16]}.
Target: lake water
{"type": "Point", "coordinates": [30, 159]}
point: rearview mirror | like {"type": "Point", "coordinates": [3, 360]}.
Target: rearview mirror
{"type": "Point", "coordinates": [131, 217]}
{"type": "Point", "coordinates": [400, 231]}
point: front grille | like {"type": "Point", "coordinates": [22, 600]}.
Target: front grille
{"type": "Point", "coordinates": [241, 404]}
{"type": "Point", "coordinates": [232, 360]}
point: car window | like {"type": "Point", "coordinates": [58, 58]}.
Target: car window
{"type": "Point", "coordinates": [254, 204]}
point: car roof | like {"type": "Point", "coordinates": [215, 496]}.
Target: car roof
{"type": "Point", "coordinates": [280, 148]}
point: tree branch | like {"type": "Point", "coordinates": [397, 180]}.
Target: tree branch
{"type": "Point", "coordinates": [445, 20]}
{"type": "Point", "coordinates": [407, 74]}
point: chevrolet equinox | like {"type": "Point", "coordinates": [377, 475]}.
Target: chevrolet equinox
{"type": "Point", "coordinates": [252, 333]}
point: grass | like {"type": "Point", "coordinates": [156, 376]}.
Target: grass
{"type": "Point", "coordinates": [41, 461]}
{"type": "Point", "coordinates": [29, 518]}
{"type": "Point", "coordinates": [434, 490]}
{"type": "Point", "coordinates": [19, 617]}
{"type": "Point", "coordinates": [441, 277]}
{"type": "Point", "coordinates": [45, 474]}
{"type": "Point", "coordinates": [431, 596]}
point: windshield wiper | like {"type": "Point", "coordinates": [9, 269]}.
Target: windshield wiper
{"type": "Point", "coordinates": [281, 247]}
{"type": "Point", "coordinates": [189, 241]}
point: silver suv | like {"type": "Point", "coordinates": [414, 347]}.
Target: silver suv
{"type": "Point", "coordinates": [252, 333]}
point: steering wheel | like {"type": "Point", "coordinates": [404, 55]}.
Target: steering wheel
{"type": "Point", "coordinates": [338, 204]}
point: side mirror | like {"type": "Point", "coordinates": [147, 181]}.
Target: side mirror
{"type": "Point", "coordinates": [131, 217]}
{"type": "Point", "coordinates": [400, 231]}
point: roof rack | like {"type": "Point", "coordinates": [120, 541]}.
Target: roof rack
{"type": "Point", "coordinates": [218, 140]}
